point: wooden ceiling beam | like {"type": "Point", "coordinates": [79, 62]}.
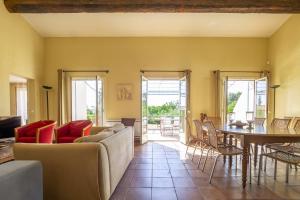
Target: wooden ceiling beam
{"type": "Point", "coordinates": [170, 6]}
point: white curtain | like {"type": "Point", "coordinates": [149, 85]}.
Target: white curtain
{"type": "Point", "coordinates": [21, 93]}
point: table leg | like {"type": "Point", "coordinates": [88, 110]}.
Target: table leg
{"type": "Point", "coordinates": [245, 161]}
{"type": "Point", "coordinates": [255, 154]}
{"type": "Point", "coordinates": [224, 141]}
{"type": "Point", "coordinates": [230, 157]}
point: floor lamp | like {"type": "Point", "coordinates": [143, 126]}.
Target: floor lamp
{"type": "Point", "coordinates": [47, 88]}
{"type": "Point", "coordinates": [274, 105]}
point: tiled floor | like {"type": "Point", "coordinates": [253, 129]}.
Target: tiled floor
{"type": "Point", "coordinates": [160, 170]}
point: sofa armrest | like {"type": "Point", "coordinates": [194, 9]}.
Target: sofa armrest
{"type": "Point", "coordinates": [45, 134]}
{"type": "Point", "coordinates": [63, 166]}
{"type": "Point", "coordinates": [120, 148]}
{"type": "Point", "coordinates": [86, 131]}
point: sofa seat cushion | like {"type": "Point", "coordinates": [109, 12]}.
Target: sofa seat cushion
{"type": "Point", "coordinates": [66, 139]}
{"type": "Point", "coordinates": [27, 139]}
{"type": "Point", "coordinates": [95, 138]}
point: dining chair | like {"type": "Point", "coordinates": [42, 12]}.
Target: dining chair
{"type": "Point", "coordinates": [259, 121]}
{"type": "Point", "coordinates": [201, 137]}
{"type": "Point", "coordinates": [281, 123]}
{"type": "Point", "coordinates": [194, 141]}
{"type": "Point", "coordinates": [296, 126]}
{"type": "Point", "coordinates": [283, 156]}
{"type": "Point", "coordinates": [220, 148]}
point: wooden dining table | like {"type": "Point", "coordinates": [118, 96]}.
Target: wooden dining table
{"type": "Point", "coordinates": [258, 136]}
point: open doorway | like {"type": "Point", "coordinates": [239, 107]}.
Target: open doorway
{"type": "Point", "coordinates": [245, 96]}
{"type": "Point", "coordinates": [163, 108]}
{"type": "Point", "coordinates": [19, 97]}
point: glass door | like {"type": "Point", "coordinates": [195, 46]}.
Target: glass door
{"type": "Point", "coordinates": [183, 110]}
{"type": "Point", "coordinates": [87, 99]}
{"type": "Point", "coordinates": [261, 98]}
{"type": "Point", "coordinates": [21, 100]}
{"type": "Point", "coordinates": [144, 110]}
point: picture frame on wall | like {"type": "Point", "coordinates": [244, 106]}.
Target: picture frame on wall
{"type": "Point", "coordinates": [124, 91]}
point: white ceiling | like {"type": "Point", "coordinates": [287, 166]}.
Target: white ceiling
{"type": "Point", "coordinates": [156, 24]}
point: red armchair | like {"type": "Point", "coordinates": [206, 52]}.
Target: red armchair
{"type": "Point", "coordinates": [37, 132]}
{"type": "Point", "coordinates": [73, 130]}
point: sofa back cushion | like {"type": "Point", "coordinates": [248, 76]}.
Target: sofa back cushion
{"type": "Point", "coordinates": [31, 129]}
{"type": "Point", "coordinates": [76, 127]}
{"type": "Point", "coordinates": [95, 138]}
{"type": "Point", "coordinates": [117, 127]}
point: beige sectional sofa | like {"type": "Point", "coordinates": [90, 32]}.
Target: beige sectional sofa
{"type": "Point", "coordinates": [83, 171]}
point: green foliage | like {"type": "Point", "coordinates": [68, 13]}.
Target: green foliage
{"type": "Point", "coordinates": [91, 113]}
{"type": "Point", "coordinates": [232, 100]}
{"type": "Point", "coordinates": [153, 113]}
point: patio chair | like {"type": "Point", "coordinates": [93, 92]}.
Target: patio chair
{"type": "Point", "coordinates": [166, 126]}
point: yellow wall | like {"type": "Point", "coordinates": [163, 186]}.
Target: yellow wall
{"type": "Point", "coordinates": [284, 56]}
{"type": "Point", "coordinates": [124, 57]}
{"type": "Point", "coordinates": [21, 53]}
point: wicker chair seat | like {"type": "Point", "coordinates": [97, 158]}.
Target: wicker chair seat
{"type": "Point", "coordinates": [284, 157]}
{"type": "Point", "coordinates": [230, 150]}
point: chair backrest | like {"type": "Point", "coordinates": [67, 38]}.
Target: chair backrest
{"type": "Point", "coordinates": [212, 134]}
{"type": "Point", "coordinates": [199, 129]}
{"type": "Point", "coordinates": [281, 123]}
{"type": "Point", "coordinates": [128, 121]}
{"type": "Point", "coordinates": [297, 125]}
{"type": "Point", "coordinates": [176, 121]}
{"type": "Point", "coordinates": [259, 121]}
{"type": "Point", "coordinates": [215, 120]}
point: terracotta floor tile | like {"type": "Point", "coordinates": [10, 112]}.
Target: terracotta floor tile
{"type": "Point", "coordinates": [183, 182]}
{"type": "Point", "coordinates": [188, 194]}
{"type": "Point", "coordinates": [142, 173]}
{"type": "Point", "coordinates": [179, 173]}
{"type": "Point", "coordinates": [138, 194]}
{"type": "Point", "coordinates": [143, 166]}
{"type": "Point", "coordinates": [140, 182]}
{"type": "Point", "coordinates": [162, 182]}
{"type": "Point", "coordinates": [210, 192]}
{"type": "Point", "coordinates": [159, 160]}
{"type": "Point", "coordinates": [163, 194]}
{"type": "Point", "coordinates": [177, 166]}
{"type": "Point", "coordinates": [159, 156]}
{"type": "Point", "coordinates": [143, 161]}
{"type": "Point", "coordinates": [197, 173]}
{"type": "Point", "coordinates": [161, 173]}
{"type": "Point", "coordinates": [160, 166]}
{"type": "Point", "coordinates": [174, 161]}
